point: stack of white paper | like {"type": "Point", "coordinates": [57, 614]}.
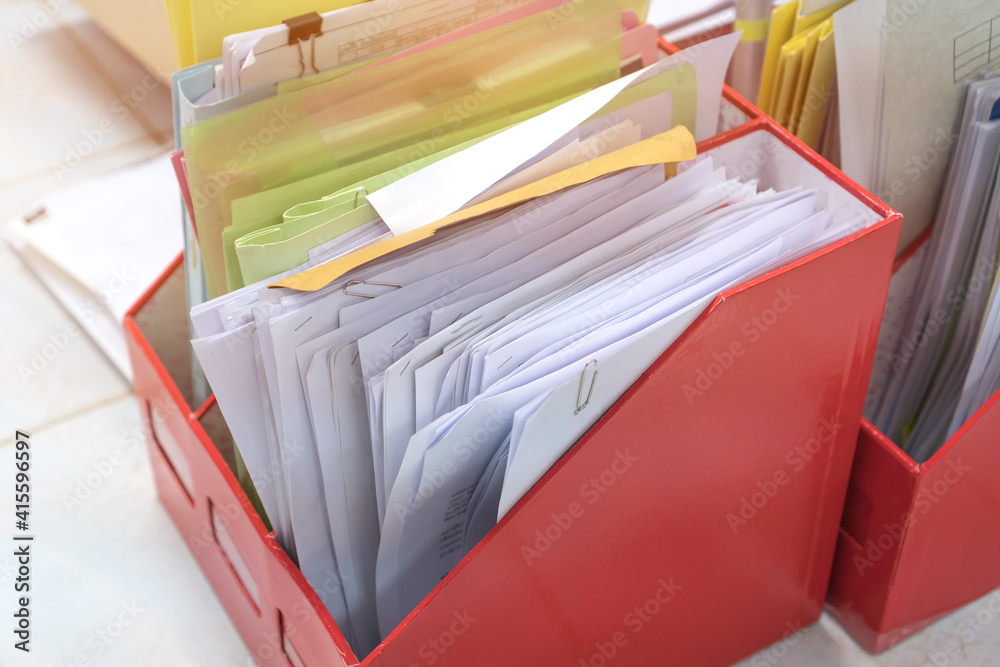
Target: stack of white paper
{"type": "Point", "coordinates": [513, 366]}
{"type": "Point", "coordinates": [389, 419]}
{"type": "Point", "coordinates": [433, 406]}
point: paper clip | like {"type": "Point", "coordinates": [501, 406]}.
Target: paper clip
{"type": "Point", "coordinates": [358, 192]}
{"type": "Point", "coordinates": [366, 282]}
{"type": "Point", "coordinates": [464, 327]}
{"type": "Point", "coordinates": [39, 212]}
{"type": "Point", "coordinates": [579, 396]}
{"type": "Point", "coordinates": [312, 56]}
{"type": "Point", "coordinates": [302, 63]}
{"type": "Point", "coordinates": [306, 26]}
{"type": "Point", "coordinates": [312, 53]}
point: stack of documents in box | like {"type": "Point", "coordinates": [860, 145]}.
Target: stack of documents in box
{"type": "Point", "coordinates": [339, 159]}
{"type": "Point", "coordinates": [467, 312]}
{"type": "Point", "coordinates": [946, 363]}
{"type": "Point", "coordinates": [357, 98]}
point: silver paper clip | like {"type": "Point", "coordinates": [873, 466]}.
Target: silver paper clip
{"type": "Point", "coordinates": [358, 192]}
{"type": "Point", "coordinates": [579, 396]}
{"type": "Point", "coordinates": [366, 282]}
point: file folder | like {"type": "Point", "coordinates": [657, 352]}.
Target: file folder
{"type": "Point", "coordinates": [559, 579]}
{"type": "Point", "coordinates": [917, 541]}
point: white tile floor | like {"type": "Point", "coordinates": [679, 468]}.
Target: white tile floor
{"type": "Point", "coordinates": [114, 557]}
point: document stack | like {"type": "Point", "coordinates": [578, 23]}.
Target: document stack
{"type": "Point", "coordinates": [947, 361]}
{"type": "Point", "coordinates": [431, 275]}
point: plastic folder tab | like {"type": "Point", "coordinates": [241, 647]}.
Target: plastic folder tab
{"type": "Point", "coordinates": [276, 249]}
{"type": "Point", "coordinates": [267, 250]}
{"type": "Point", "coordinates": [263, 210]}
{"type": "Point", "coordinates": [431, 97]}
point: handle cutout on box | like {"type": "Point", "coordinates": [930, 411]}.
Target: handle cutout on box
{"type": "Point", "coordinates": [287, 646]}
{"type": "Point", "coordinates": [171, 450]}
{"type": "Point", "coordinates": [220, 529]}
{"type": "Point", "coordinates": [857, 515]}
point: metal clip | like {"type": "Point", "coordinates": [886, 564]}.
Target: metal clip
{"type": "Point", "coordinates": [39, 212]}
{"type": "Point", "coordinates": [302, 63]}
{"type": "Point", "coordinates": [306, 26]}
{"type": "Point", "coordinates": [464, 328]}
{"type": "Point", "coordinates": [312, 53]}
{"type": "Point", "coordinates": [579, 396]}
{"type": "Point", "coordinates": [300, 29]}
{"type": "Point", "coordinates": [366, 282]}
{"type": "Point", "coordinates": [359, 191]}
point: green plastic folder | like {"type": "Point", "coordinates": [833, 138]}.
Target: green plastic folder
{"type": "Point", "coordinates": [270, 251]}
{"type": "Point", "coordinates": [265, 209]}
{"type": "Point", "coordinates": [358, 120]}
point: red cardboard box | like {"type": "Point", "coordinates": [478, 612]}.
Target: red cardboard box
{"type": "Point", "coordinates": [717, 530]}
{"type": "Point", "coordinates": [917, 541]}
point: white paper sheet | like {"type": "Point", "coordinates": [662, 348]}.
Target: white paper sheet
{"type": "Point", "coordinates": [446, 186]}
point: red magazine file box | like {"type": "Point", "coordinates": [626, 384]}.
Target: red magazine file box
{"type": "Point", "coordinates": [719, 532]}
{"type": "Point", "coordinates": [917, 541]}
